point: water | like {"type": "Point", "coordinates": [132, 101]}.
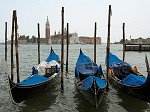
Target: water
{"type": "Point", "coordinates": [70, 100]}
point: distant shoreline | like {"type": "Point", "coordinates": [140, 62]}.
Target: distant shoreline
{"type": "Point", "coordinates": [54, 44]}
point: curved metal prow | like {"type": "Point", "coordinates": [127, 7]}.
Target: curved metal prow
{"type": "Point", "coordinates": [51, 49]}
{"type": "Point", "coordinates": [80, 51]}
{"type": "Point", "coordinates": [147, 64]}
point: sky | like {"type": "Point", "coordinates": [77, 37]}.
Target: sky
{"type": "Point", "coordinates": [81, 16]}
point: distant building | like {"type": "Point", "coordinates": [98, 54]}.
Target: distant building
{"type": "Point", "coordinates": [73, 38]}
{"type": "Point", "coordinates": [89, 40]}
{"type": "Point", "coordinates": [47, 39]}
{"type": "Point", "coordinates": [47, 32]}
{"type": "Point", "coordinates": [22, 41]}
{"type": "Point", "coordinates": [56, 38]}
{"type": "Point", "coordinates": [19, 42]}
{"type": "Point", "coordinates": [138, 41]}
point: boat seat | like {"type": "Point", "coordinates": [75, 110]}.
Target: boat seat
{"type": "Point", "coordinates": [50, 71]}
{"type": "Point", "coordinates": [118, 73]}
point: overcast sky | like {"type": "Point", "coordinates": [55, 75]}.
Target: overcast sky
{"type": "Point", "coordinates": [80, 14]}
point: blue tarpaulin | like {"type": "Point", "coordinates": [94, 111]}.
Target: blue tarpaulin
{"type": "Point", "coordinates": [85, 66]}
{"type": "Point", "coordinates": [123, 69]}
{"type": "Point", "coordinates": [88, 71]}
{"type": "Point", "coordinates": [87, 83]}
{"type": "Point", "coordinates": [113, 59]}
{"type": "Point", "coordinates": [115, 62]}
{"type": "Point", "coordinates": [33, 79]}
{"type": "Point", "coordinates": [133, 80]}
{"type": "Point", "coordinates": [102, 83]}
{"type": "Point", "coordinates": [53, 56]}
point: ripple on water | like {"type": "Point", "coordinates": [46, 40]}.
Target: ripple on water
{"type": "Point", "coordinates": [71, 100]}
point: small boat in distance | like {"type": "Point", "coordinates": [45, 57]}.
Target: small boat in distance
{"type": "Point", "coordinates": [90, 80]}
{"type": "Point", "coordinates": [128, 79]}
{"type": "Point", "coordinates": [37, 82]}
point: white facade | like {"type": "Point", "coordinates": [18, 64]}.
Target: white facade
{"type": "Point", "coordinates": [74, 38]}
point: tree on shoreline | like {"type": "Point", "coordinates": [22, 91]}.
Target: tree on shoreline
{"type": "Point", "coordinates": [28, 39]}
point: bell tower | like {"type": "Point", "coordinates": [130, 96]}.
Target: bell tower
{"type": "Point", "coordinates": [47, 31]}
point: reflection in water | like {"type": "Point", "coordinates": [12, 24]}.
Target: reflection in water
{"type": "Point", "coordinates": [113, 100]}
{"type": "Point", "coordinates": [83, 104]}
{"type": "Point", "coordinates": [132, 104]}
{"type": "Point", "coordinates": [71, 100]}
{"type": "Point", "coordinates": [40, 102]}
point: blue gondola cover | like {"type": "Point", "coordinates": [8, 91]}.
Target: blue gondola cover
{"type": "Point", "coordinates": [101, 83]}
{"type": "Point", "coordinates": [33, 79]}
{"type": "Point", "coordinates": [87, 83]}
{"type": "Point", "coordinates": [113, 59]}
{"type": "Point", "coordinates": [133, 80]}
{"type": "Point", "coordinates": [53, 56]}
{"type": "Point", "coordinates": [85, 66]}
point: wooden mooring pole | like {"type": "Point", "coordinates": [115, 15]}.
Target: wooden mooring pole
{"type": "Point", "coordinates": [62, 51]}
{"type": "Point", "coordinates": [16, 47]}
{"type": "Point", "coordinates": [108, 39]}
{"type": "Point", "coordinates": [123, 41]}
{"type": "Point", "coordinates": [95, 29]}
{"type": "Point", "coordinates": [12, 42]}
{"type": "Point", "coordinates": [5, 41]}
{"type": "Point", "coordinates": [108, 44]}
{"type": "Point", "coordinates": [38, 41]}
{"type": "Point", "coordinates": [67, 47]}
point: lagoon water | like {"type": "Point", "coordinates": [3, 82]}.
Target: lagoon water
{"type": "Point", "coordinates": [70, 101]}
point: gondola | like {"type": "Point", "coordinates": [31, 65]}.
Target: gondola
{"type": "Point", "coordinates": [128, 79]}
{"type": "Point", "coordinates": [37, 82]}
{"type": "Point", "coordinates": [89, 80]}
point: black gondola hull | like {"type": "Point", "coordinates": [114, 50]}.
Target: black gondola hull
{"type": "Point", "coordinates": [141, 92]}
{"type": "Point", "coordinates": [90, 96]}
{"type": "Point", "coordinates": [22, 93]}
